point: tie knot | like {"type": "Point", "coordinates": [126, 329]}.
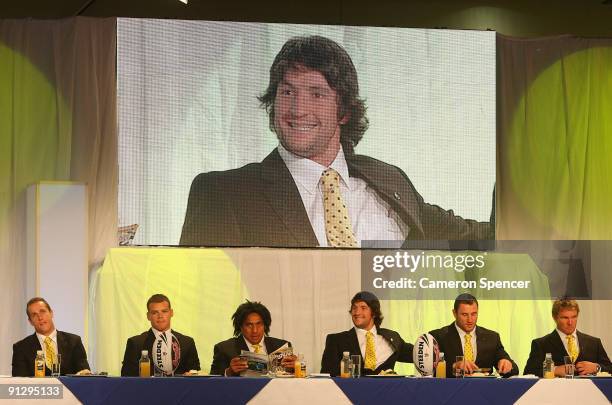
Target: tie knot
{"type": "Point", "coordinates": [48, 339]}
{"type": "Point", "coordinates": [468, 336]}
{"type": "Point", "coordinates": [369, 334]}
{"type": "Point", "coordinates": [257, 348]}
{"type": "Point", "coordinates": [330, 179]}
{"type": "Point", "coordinates": [570, 337]}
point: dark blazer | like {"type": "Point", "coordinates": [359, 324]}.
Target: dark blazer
{"type": "Point", "coordinates": [225, 351]}
{"type": "Point", "coordinates": [260, 205]}
{"type": "Point", "coordinates": [74, 358]}
{"type": "Point", "coordinates": [336, 343]}
{"type": "Point", "coordinates": [591, 350]}
{"type": "Point", "coordinates": [489, 349]}
{"type": "Point", "coordinates": [136, 344]}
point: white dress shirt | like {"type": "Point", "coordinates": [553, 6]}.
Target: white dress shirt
{"type": "Point", "coordinates": [41, 339]}
{"type": "Point", "coordinates": [371, 217]}
{"type": "Point", "coordinates": [383, 348]}
{"type": "Point", "coordinates": [472, 339]}
{"type": "Point", "coordinates": [563, 337]}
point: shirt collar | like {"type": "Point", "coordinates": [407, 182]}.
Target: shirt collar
{"type": "Point", "coordinates": [250, 345]}
{"type": "Point", "coordinates": [158, 332]}
{"type": "Point", "coordinates": [462, 333]}
{"type": "Point", "coordinates": [308, 172]}
{"type": "Point", "coordinates": [363, 331]}
{"type": "Point", "coordinates": [52, 335]}
{"type": "Point", "coordinates": [563, 336]}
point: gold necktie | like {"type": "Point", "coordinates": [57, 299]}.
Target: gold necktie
{"type": "Point", "coordinates": [49, 352]}
{"type": "Point", "coordinates": [257, 348]}
{"type": "Point", "coordinates": [370, 352]}
{"type": "Point", "coordinates": [338, 228]}
{"type": "Point", "coordinates": [468, 352]}
{"type": "Point", "coordinates": [571, 348]}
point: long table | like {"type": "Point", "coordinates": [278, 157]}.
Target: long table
{"type": "Point", "coordinates": [213, 390]}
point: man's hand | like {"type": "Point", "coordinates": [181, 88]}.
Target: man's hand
{"type": "Point", "coordinates": [288, 362]}
{"type": "Point", "coordinates": [236, 366]}
{"type": "Point", "coordinates": [84, 372]}
{"type": "Point", "coordinates": [560, 371]}
{"type": "Point", "coordinates": [586, 367]}
{"type": "Point", "coordinates": [467, 365]}
{"type": "Point", "coordinates": [504, 366]}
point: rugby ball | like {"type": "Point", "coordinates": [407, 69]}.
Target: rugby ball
{"type": "Point", "coordinates": [426, 354]}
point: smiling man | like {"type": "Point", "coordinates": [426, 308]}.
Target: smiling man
{"type": "Point", "coordinates": [480, 347]}
{"type": "Point", "coordinates": [252, 322]}
{"type": "Point", "coordinates": [379, 348]}
{"type": "Point", "coordinates": [313, 190]}
{"type": "Point", "coordinates": [587, 352]}
{"type": "Point", "coordinates": [50, 341]}
{"type": "Point", "coordinates": [170, 352]}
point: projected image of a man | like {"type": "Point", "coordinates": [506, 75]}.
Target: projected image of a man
{"type": "Point", "coordinates": [313, 189]}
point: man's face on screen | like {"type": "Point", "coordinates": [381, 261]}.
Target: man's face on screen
{"type": "Point", "coordinates": [253, 328]}
{"type": "Point", "coordinates": [362, 315]}
{"type": "Point", "coordinates": [306, 115]}
{"type": "Point", "coordinates": [41, 318]}
{"type": "Point", "coordinates": [159, 314]}
{"type": "Point", "coordinates": [566, 320]}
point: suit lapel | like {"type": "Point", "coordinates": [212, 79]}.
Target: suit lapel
{"type": "Point", "coordinates": [240, 345]}
{"type": "Point", "coordinates": [353, 342]}
{"type": "Point", "coordinates": [481, 342]}
{"type": "Point", "coordinates": [557, 344]}
{"type": "Point", "coordinates": [285, 199]}
{"type": "Point", "coordinates": [454, 340]}
{"type": "Point", "coordinates": [581, 345]}
{"type": "Point", "coordinates": [394, 193]}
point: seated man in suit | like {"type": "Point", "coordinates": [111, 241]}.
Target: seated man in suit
{"type": "Point", "coordinates": [480, 347]}
{"type": "Point", "coordinates": [313, 190]}
{"type": "Point", "coordinates": [252, 322]}
{"type": "Point", "coordinates": [170, 352]}
{"type": "Point", "coordinates": [586, 351]}
{"type": "Point", "coordinates": [379, 348]}
{"type": "Point", "coordinates": [50, 341]}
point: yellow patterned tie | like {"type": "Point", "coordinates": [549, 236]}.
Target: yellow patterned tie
{"type": "Point", "coordinates": [571, 348]}
{"type": "Point", "coordinates": [338, 228]}
{"type": "Point", "coordinates": [370, 352]}
{"type": "Point", "coordinates": [468, 352]}
{"type": "Point", "coordinates": [257, 348]}
{"type": "Point", "coordinates": [49, 352]}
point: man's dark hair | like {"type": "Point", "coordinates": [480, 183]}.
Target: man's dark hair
{"type": "Point", "coordinates": [464, 298]}
{"type": "Point", "coordinates": [372, 301]}
{"type": "Point", "coordinates": [247, 308]}
{"type": "Point", "coordinates": [332, 61]}
{"type": "Point", "coordinates": [37, 299]}
{"type": "Point", "coordinates": [157, 298]}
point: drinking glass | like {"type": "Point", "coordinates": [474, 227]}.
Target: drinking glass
{"type": "Point", "coordinates": [356, 362]}
{"type": "Point", "coordinates": [569, 367]}
{"type": "Point", "coordinates": [460, 368]}
{"type": "Point", "coordinates": [56, 367]}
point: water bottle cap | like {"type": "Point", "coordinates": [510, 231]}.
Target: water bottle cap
{"type": "Point", "coordinates": [345, 353]}
{"type": "Point", "coordinates": [145, 352]}
{"type": "Point", "coordinates": [39, 352]}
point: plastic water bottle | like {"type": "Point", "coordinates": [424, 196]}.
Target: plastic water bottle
{"type": "Point", "coordinates": [39, 364]}
{"type": "Point", "coordinates": [144, 367]}
{"type": "Point", "coordinates": [345, 365]}
{"type": "Point", "coordinates": [548, 367]}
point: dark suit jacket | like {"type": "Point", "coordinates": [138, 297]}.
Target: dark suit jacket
{"type": "Point", "coordinates": [74, 358]}
{"type": "Point", "coordinates": [591, 350]}
{"type": "Point", "coordinates": [336, 343]}
{"type": "Point", "coordinates": [136, 344]}
{"type": "Point", "coordinates": [489, 349]}
{"type": "Point", "coordinates": [260, 205]}
{"type": "Point", "coordinates": [225, 351]}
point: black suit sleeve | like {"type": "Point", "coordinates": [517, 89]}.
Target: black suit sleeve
{"type": "Point", "coordinates": [21, 365]}
{"type": "Point", "coordinates": [404, 351]}
{"type": "Point", "coordinates": [500, 353]}
{"type": "Point", "coordinates": [192, 361]}
{"type": "Point", "coordinates": [220, 361]}
{"type": "Point", "coordinates": [535, 360]}
{"type": "Point", "coordinates": [130, 360]}
{"type": "Point", "coordinates": [602, 358]}
{"type": "Point", "coordinates": [209, 220]}
{"type": "Point", "coordinates": [79, 356]}
{"type": "Point", "coordinates": [330, 363]}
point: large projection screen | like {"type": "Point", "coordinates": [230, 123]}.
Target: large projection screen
{"type": "Point", "coordinates": [187, 104]}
